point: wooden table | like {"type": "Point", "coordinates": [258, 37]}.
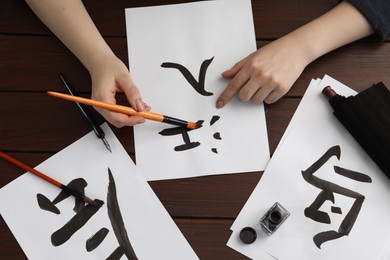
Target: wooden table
{"type": "Point", "coordinates": [34, 126]}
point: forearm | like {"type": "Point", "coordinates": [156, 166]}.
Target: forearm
{"type": "Point", "coordinates": [71, 23]}
{"type": "Point", "coordinates": [338, 27]}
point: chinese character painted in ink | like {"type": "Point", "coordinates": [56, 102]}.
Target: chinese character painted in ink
{"type": "Point", "coordinates": [84, 213]}
{"type": "Point", "coordinates": [188, 144]}
{"type": "Point", "coordinates": [328, 189]}
{"type": "Point", "coordinates": [199, 85]}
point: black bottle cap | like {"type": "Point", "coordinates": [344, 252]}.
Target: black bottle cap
{"type": "Point", "coordinates": [248, 235]}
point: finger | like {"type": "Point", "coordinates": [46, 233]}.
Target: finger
{"type": "Point", "coordinates": [232, 88]}
{"type": "Point", "coordinates": [261, 94]}
{"type": "Point", "coordinates": [250, 89]}
{"type": "Point", "coordinates": [230, 73]}
{"type": "Point", "coordinates": [120, 120]}
{"type": "Point", "coordinates": [275, 95]}
{"type": "Point", "coordinates": [132, 93]}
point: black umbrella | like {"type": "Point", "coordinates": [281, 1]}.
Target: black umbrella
{"type": "Point", "coordinates": [367, 117]}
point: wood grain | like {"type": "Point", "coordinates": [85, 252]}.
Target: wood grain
{"type": "Point", "coordinates": [35, 126]}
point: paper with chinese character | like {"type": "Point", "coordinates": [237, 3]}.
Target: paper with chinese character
{"type": "Point", "coordinates": [176, 55]}
{"type": "Point", "coordinates": [131, 224]}
{"type": "Point", "coordinates": [336, 196]}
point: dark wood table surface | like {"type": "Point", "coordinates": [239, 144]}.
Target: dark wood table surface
{"type": "Point", "coordinates": [34, 126]}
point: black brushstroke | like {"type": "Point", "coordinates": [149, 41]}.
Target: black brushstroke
{"type": "Point", "coordinates": [72, 226]}
{"type": "Point", "coordinates": [116, 219]}
{"type": "Point", "coordinates": [217, 136]}
{"type": "Point", "coordinates": [328, 189]}
{"type": "Point", "coordinates": [117, 254]}
{"type": "Point", "coordinates": [214, 119]}
{"type": "Point", "coordinates": [214, 150]}
{"type": "Point", "coordinates": [336, 210]}
{"type": "Point", "coordinates": [45, 204]}
{"type": "Point", "coordinates": [322, 237]}
{"type": "Point", "coordinates": [79, 185]}
{"type": "Point", "coordinates": [199, 124]}
{"type": "Point", "coordinates": [199, 85]}
{"type": "Point", "coordinates": [184, 133]}
{"type": "Point", "coordinates": [94, 241]}
{"type": "Point", "coordinates": [357, 176]}
{"type": "Point", "coordinates": [313, 211]}
{"type": "Point", "coordinates": [175, 131]}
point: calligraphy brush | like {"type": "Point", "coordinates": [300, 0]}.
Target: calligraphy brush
{"type": "Point", "coordinates": [128, 110]}
{"type": "Point", "coordinates": [86, 113]}
{"type": "Point", "coordinates": [65, 188]}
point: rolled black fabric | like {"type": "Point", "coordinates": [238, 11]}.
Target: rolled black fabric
{"type": "Point", "coordinates": [367, 117]}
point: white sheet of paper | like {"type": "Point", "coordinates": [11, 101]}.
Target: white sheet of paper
{"type": "Point", "coordinates": [150, 229]}
{"type": "Point", "coordinates": [189, 34]}
{"type": "Point", "coordinates": [314, 129]}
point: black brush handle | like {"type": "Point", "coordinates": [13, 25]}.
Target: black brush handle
{"type": "Point", "coordinates": [84, 109]}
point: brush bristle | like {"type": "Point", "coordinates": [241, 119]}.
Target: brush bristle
{"type": "Point", "coordinates": [90, 201]}
{"type": "Point", "coordinates": [195, 125]}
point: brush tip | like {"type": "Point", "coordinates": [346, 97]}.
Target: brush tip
{"type": "Point", "coordinates": [92, 202]}
{"type": "Point", "coordinates": [195, 125]}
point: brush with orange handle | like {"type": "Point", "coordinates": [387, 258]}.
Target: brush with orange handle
{"type": "Point", "coordinates": [65, 188]}
{"type": "Point", "coordinates": [128, 110]}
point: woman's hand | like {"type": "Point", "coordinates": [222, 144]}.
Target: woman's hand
{"type": "Point", "coordinates": [110, 76]}
{"type": "Point", "coordinates": [265, 75]}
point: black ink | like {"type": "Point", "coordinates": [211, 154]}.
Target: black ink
{"type": "Point", "coordinates": [336, 210]}
{"type": "Point", "coordinates": [116, 254]}
{"type": "Point", "coordinates": [357, 176]}
{"type": "Point", "coordinates": [78, 221]}
{"type": "Point", "coordinates": [214, 119]}
{"type": "Point", "coordinates": [186, 138]}
{"type": "Point", "coordinates": [94, 241]}
{"type": "Point", "coordinates": [217, 136]}
{"type": "Point", "coordinates": [199, 124]}
{"type": "Point", "coordinates": [199, 85]}
{"type": "Point", "coordinates": [45, 204]}
{"type": "Point", "coordinates": [84, 214]}
{"type": "Point", "coordinates": [327, 193]}
{"type": "Point", "coordinates": [116, 219]}
{"type": "Point", "coordinates": [76, 184]}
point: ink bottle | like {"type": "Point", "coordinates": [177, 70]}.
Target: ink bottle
{"type": "Point", "coordinates": [273, 218]}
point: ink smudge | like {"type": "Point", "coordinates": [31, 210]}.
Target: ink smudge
{"type": "Point", "coordinates": [214, 150]}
